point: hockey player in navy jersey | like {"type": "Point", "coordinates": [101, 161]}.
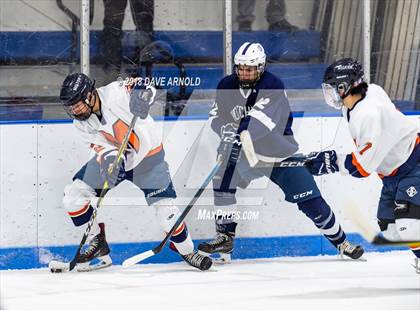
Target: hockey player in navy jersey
{"type": "Point", "coordinates": [253, 99]}
{"type": "Point", "coordinates": [387, 142]}
{"type": "Point", "coordinates": [101, 116]}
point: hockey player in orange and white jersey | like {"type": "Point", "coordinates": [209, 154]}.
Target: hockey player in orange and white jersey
{"type": "Point", "coordinates": [102, 116]}
{"type": "Point", "coordinates": [388, 143]}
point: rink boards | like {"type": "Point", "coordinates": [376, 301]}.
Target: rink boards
{"type": "Point", "coordinates": [38, 159]}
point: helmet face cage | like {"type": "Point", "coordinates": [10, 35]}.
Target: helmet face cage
{"type": "Point", "coordinates": [76, 88]}
{"type": "Point", "coordinates": [254, 78]}
{"type": "Point", "coordinates": [341, 76]}
{"type": "Point", "coordinates": [81, 104]}
{"type": "Point", "coordinates": [253, 55]}
{"type": "Point", "coordinates": [331, 96]}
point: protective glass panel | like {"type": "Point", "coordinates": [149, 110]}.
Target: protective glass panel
{"type": "Point", "coordinates": [293, 42]}
{"type": "Point", "coordinates": [39, 46]}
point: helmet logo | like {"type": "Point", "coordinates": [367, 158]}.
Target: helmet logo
{"type": "Point", "coordinates": [344, 67]}
{"type": "Point", "coordinates": [77, 83]}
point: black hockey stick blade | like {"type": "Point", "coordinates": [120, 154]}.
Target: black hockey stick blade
{"type": "Point", "coordinates": [381, 240]}
{"type": "Point", "coordinates": [56, 266]}
{"type": "Point", "coordinates": [369, 233]}
{"type": "Point", "coordinates": [142, 256]}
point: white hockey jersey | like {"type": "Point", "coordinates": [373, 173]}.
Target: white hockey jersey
{"type": "Point", "coordinates": [384, 137]}
{"type": "Point", "coordinates": [108, 133]}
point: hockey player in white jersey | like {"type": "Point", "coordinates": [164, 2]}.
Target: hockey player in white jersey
{"type": "Point", "coordinates": [102, 116]}
{"type": "Point", "coordinates": [387, 142]}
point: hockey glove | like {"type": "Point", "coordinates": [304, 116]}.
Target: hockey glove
{"type": "Point", "coordinates": [141, 100]}
{"type": "Point", "coordinates": [114, 175]}
{"type": "Point", "coordinates": [320, 163]}
{"type": "Point", "coordinates": [229, 149]}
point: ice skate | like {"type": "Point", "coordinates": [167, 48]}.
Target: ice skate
{"type": "Point", "coordinates": [198, 260]}
{"type": "Point", "coordinates": [98, 249]}
{"type": "Point", "coordinates": [350, 250]}
{"type": "Point", "coordinates": [222, 245]}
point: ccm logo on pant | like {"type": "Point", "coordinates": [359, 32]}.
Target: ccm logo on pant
{"type": "Point", "coordinates": [302, 195]}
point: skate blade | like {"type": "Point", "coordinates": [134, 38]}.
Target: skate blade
{"type": "Point", "coordinates": [344, 258]}
{"type": "Point", "coordinates": [218, 258]}
{"type": "Point", "coordinates": [212, 269]}
{"type": "Point", "coordinates": [223, 259]}
{"type": "Point", "coordinates": [104, 262]}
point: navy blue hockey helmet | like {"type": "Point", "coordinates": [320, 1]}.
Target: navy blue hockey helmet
{"type": "Point", "coordinates": [342, 75]}
{"type": "Point", "coordinates": [75, 88]}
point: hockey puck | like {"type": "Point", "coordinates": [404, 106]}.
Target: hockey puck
{"type": "Point", "coordinates": [56, 270]}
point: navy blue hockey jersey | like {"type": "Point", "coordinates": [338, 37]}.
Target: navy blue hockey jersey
{"type": "Point", "coordinates": [264, 111]}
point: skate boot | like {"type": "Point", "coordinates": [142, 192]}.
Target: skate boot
{"type": "Point", "coordinates": [350, 250]}
{"type": "Point", "coordinates": [97, 249]}
{"type": "Point", "coordinates": [222, 244]}
{"type": "Point", "coordinates": [197, 260]}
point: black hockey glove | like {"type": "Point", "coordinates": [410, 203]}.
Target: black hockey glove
{"type": "Point", "coordinates": [320, 163]}
{"type": "Point", "coordinates": [141, 100]}
{"type": "Point", "coordinates": [117, 174]}
{"type": "Point", "coordinates": [229, 149]}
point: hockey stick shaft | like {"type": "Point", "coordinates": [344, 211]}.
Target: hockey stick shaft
{"type": "Point", "coordinates": [105, 188]}
{"type": "Point", "coordinates": [142, 256]}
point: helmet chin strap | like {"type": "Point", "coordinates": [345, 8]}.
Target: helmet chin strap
{"type": "Point", "coordinates": [90, 106]}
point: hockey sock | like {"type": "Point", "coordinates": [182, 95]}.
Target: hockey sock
{"type": "Point", "coordinates": [324, 218]}
{"type": "Point", "coordinates": [181, 240]}
{"type": "Point", "coordinates": [224, 216]}
{"type": "Point", "coordinates": [226, 228]}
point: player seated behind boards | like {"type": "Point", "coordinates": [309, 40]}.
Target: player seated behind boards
{"type": "Point", "coordinates": [254, 99]}
{"type": "Point", "coordinates": [102, 116]}
{"type": "Point", "coordinates": [387, 142]}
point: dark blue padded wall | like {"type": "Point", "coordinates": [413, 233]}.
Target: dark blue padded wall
{"type": "Point", "coordinates": [17, 46]}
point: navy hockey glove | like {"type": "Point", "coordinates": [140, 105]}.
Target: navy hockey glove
{"type": "Point", "coordinates": [229, 148]}
{"type": "Point", "coordinates": [141, 101]}
{"type": "Point", "coordinates": [320, 163]}
{"type": "Point", "coordinates": [117, 174]}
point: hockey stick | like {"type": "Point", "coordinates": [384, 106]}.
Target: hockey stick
{"type": "Point", "coordinates": [57, 266]}
{"type": "Point", "coordinates": [369, 233]}
{"type": "Point", "coordinates": [248, 148]}
{"type": "Point", "coordinates": [142, 256]}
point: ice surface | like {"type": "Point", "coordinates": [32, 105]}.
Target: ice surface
{"type": "Point", "coordinates": [384, 281]}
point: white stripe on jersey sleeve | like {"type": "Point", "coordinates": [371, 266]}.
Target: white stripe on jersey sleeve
{"type": "Point", "coordinates": [263, 118]}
